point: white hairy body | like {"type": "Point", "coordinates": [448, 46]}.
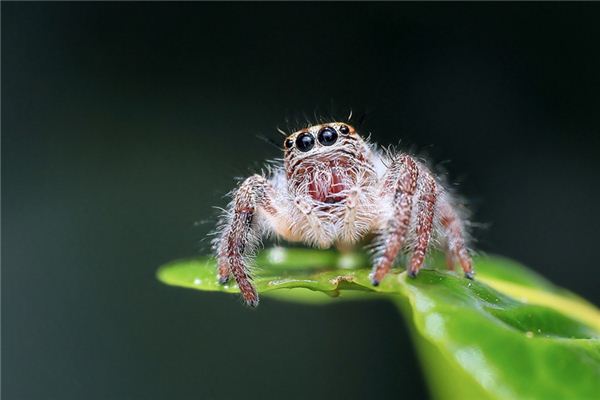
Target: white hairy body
{"type": "Point", "coordinates": [335, 189]}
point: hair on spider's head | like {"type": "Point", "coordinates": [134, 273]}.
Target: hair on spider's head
{"type": "Point", "coordinates": [282, 132]}
{"type": "Point", "coordinates": [300, 121]}
{"type": "Point", "coordinates": [270, 141]}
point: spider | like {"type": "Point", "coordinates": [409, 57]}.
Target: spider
{"type": "Point", "coordinates": [334, 188]}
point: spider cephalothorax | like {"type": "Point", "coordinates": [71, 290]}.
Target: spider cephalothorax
{"type": "Point", "coordinates": [334, 189]}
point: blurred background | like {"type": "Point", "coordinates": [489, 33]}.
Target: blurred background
{"type": "Point", "coordinates": [123, 125]}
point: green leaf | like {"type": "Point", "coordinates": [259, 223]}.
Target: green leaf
{"type": "Point", "coordinates": [509, 334]}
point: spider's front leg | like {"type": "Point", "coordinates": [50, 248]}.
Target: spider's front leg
{"type": "Point", "coordinates": [241, 234]}
{"type": "Point", "coordinates": [401, 181]}
{"type": "Point", "coordinates": [424, 227]}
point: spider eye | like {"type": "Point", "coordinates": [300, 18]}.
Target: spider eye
{"type": "Point", "coordinates": [305, 141]}
{"type": "Point", "coordinates": [288, 143]}
{"type": "Point", "coordinates": [327, 136]}
{"type": "Point", "coordinates": [344, 129]}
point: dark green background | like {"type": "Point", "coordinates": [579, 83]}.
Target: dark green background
{"type": "Point", "coordinates": [122, 125]}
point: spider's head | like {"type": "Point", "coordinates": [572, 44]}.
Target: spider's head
{"type": "Point", "coordinates": [322, 159]}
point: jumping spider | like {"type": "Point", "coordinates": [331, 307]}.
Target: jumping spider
{"type": "Point", "coordinates": [335, 189]}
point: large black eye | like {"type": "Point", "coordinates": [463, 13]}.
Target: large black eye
{"type": "Point", "coordinates": [305, 141]}
{"type": "Point", "coordinates": [327, 136]}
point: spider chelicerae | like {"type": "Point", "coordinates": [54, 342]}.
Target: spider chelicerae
{"type": "Point", "coordinates": [334, 189]}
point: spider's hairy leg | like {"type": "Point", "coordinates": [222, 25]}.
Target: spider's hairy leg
{"type": "Point", "coordinates": [450, 261]}
{"type": "Point", "coordinates": [424, 228]}
{"type": "Point", "coordinates": [454, 232]}
{"type": "Point", "coordinates": [401, 180]}
{"type": "Point", "coordinates": [223, 271]}
{"type": "Point", "coordinates": [240, 234]}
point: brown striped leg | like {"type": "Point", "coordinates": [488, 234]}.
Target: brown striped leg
{"type": "Point", "coordinates": [450, 262]}
{"type": "Point", "coordinates": [402, 180]}
{"type": "Point", "coordinates": [425, 214]}
{"type": "Point", "coordinates": [223, 271]}
{"type": "Point", "coordinates": [455, 237]}
{"type": "Point", "coordinates": [236, 244]}
{"type": "Point", "coordinates": [240, 237]}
